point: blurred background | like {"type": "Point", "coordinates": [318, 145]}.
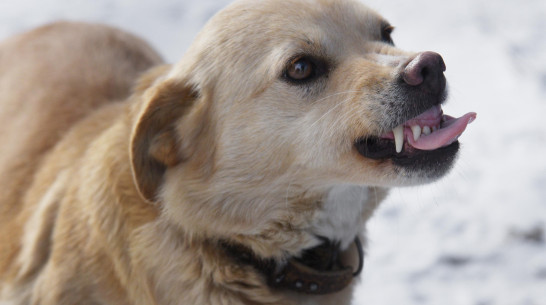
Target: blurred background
{"type": "Point", "coordinates": [478, 236]}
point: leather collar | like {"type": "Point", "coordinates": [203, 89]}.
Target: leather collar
{"type": "Point", "coordinates": [318, 271]}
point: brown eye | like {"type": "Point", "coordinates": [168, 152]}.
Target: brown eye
{"type": "Point", "coordinates": [301, 69]}
{"type": "Point", "coordinates": [386, 34]}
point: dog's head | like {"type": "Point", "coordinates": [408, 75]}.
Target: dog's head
{"type": "Point", "coordinates": [279, 100]}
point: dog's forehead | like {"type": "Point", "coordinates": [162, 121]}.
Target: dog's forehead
{"type": "Point", "coordinates": [253, 39]}
{"type": "Point", "coordinates": [294, 17]}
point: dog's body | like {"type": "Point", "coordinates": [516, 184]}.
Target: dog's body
{"type": "Point", "coordinates": [122, 189]}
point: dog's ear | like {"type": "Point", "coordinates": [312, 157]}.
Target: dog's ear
{"type": "Point", "coordinates": [155, 144]}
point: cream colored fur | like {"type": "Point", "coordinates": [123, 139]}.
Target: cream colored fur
{"type": "Point", "coordinates": [120, 175]}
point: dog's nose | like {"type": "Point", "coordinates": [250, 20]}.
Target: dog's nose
{"type": "Point", "coordinates": [427, 71]}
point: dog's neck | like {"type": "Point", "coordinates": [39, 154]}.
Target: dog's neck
{"type": "Point", "coordinates": [202, 254]}
{"type": "Point", "coordinates": [319, 270]}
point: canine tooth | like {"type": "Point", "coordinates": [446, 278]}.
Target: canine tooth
{"type": "Point", "coordinates": [398, 138]}
{"type": "Point", "coordinates": [434, 128]}
{"type": "Point", "coordinates": [426, 130]}
{"type": "Point", "coordinates": [416, 132]}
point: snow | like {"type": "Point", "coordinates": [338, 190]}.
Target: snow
{"type": "Point", "coordinates": [477, 236]}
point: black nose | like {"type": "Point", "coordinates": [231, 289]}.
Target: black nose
{"type": "Point", "coordinates": [426, 71]}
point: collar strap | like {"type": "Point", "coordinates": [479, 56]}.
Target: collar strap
{"type": "Point", "coordinates": [318, 271]}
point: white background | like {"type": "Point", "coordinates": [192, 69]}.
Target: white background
{"type": "Point", "coordinates": [476, 237]}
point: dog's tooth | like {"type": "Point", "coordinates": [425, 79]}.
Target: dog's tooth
{"type": "Point", "coordinates": [398, 138]}
{"type": "Point", "coordinates": [416, 132]}
{"type": "Point", "coordinates": [434, 128]}
{"type": "Point", "coordinates": [427, 130]}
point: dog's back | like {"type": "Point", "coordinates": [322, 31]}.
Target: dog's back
{"type": "Point", "coordinates": [51, 78]}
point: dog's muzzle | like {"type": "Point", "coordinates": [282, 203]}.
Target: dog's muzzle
{"type": "Point", "coordinates": [318, 271]}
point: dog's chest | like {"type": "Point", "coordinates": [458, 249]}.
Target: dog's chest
{"type": "Point", "coordinates": [341, 216]}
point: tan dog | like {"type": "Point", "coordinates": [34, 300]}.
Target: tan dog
{"type": "Point", "coordinates": [242, 175]}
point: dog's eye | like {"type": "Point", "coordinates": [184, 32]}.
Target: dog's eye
{"type": "Point", "coordinates": [301, 69]}
{"type": "Point", "coordinates": [386, 34]}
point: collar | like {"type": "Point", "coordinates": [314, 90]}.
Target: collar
{"type": "Point", "coordinates": [317, 271]}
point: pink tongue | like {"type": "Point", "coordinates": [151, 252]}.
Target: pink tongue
{"type": "Point", "coordinates": [449, 132]}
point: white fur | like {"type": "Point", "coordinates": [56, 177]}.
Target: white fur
{"type": "Point", "coordinates": [389, 60]}
{"type": "Point", "coordinates": [341, 219]}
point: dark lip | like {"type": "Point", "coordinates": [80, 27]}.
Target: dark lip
{"type": "Point", "coordinates": [383, 149]}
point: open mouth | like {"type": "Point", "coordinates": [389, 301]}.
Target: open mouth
{"type": "Point", "coordinates": [430, 134]}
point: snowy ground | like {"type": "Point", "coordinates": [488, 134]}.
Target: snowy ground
{"type": "Point", "coordinates": [478, 236]}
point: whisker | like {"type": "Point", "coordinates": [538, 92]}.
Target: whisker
{"type": "Point", "coordinates": [329, 111]}
{"type": "Point", "coordinates": [337, 93]}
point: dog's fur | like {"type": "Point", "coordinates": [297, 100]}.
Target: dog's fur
{"type": "Point", "coordinates": [118, 191]}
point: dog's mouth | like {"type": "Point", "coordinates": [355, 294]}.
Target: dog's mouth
{"type": "Point", "coordinates": [431, 134]}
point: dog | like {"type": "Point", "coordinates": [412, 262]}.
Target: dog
{"type": "Point", "coordinates": [243, 174]}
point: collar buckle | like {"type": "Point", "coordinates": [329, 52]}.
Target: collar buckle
{"type": "Point", "coordinates": [318, 272]}
{"type": "Point", "coordinates": [305, 275]}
